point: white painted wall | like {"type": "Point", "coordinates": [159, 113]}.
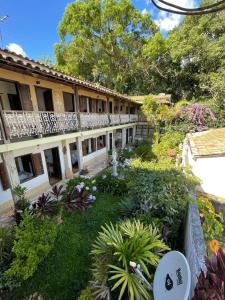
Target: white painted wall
{"type": "Point", "coordinates": [211, 171]}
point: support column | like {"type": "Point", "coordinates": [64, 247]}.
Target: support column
{"type": "Point", "coordinates": [80, 154]}
{"type": "Point", "coordinates": [134, 133]}
{"type": "Point", "coordinates": [67, 160]}
{"type": "Point", "coordinates": [113, 139]}
{"type": "Point", "coordinates": [107, 145]}
{"type": "Point", "coordinates": [123, 138]}
{"type": "Point", "coordinates": [10, 165]}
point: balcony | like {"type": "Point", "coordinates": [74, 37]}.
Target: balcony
{"type": "Point", "coordinates": [20, 124]}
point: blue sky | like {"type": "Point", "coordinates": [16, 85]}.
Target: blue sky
{"type": "Point", "coordinates": [32, 24]}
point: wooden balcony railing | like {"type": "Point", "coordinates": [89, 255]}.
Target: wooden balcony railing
{"type": "Point", "coordinates": [18, 124]}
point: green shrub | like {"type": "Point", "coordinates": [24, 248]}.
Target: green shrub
{"type": "Point", "coordinates": [143, 151]}
{"type": "Point", "coordinates": [212, 222]}
{"type": "Point", "coordinates": [86, 295]}
{"type": "Point", "coordinates": [168, 145]}
{"type": "Point", "coordinates": [35, 238]}
{"type": "Point", "coordinates": [125, 153]}
{"type": "Point", "coordinates": [7, 237]}
{"type": "Point", "coordinates": [161, 190]}
{"type": "Point", "coordinates": [106, 183]}
{"type": "Point", "coordinates": [115, 247]}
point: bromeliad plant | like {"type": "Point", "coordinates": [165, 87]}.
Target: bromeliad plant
{"type": "Point", "coordinates": [212, 284]}
{"type": "Point", "coordinates": [44, 206]}
{"type": "Point", "coordinates": [80, 198]}
{"type": "Point", "coordinates": [115, 247]}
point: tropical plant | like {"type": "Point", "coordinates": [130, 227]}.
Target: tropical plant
{"type": "Point", "coordinates": [212, 284]}
{"type": "Point", "coordinates": [115, 247]}
{"type": "Point", "coordinates": [35, 238]}
{"type": "Point", "coordinates": [168, 145]}
{"type": "Point", "coordinates": [80, 198]}
{"type": "Point", "coordinates": [57, 191]}
{"type": "Point", "coordinates": [44, 206]}
{"type": "Point", "coordinates": [161, 190]}
{"type": "Point", "coordinates": [144, 151]}
{"type": "Point", "coordinates": [7, 237]}
{"type": "Point", "coordinates": [86, 294]}
{"type": "Point", "coordinates": [212, 222]}
{"type": "Point", "coordinates": [107, 183]}
{"type": "Point", "coordinates": [21, 201]}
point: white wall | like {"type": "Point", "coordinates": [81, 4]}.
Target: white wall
{"type": "Point", "coordinates": [211, 171]}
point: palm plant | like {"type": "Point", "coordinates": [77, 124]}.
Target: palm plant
{"type": "Point", "coordinates": [113, 250]}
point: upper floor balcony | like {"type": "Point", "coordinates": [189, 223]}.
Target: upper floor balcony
{"type": "Point", "coordinates": [17, 124]}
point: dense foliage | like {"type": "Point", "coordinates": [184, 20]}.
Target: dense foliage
{"type": "Point", "coordinates": [115, 45]}
{"type": "Point", "coordinates": [212, 222]}
{"type": "Point", "coordinates": [212, 284]}
{"type": "Point", "coordinates": [107, 183]}
{"type": "Point", "coordinates": [35, 238]}
{"type": "Point", "coordinates": [167, 146]}
{"type": "Point", "coordinates": [115, 247]}
{"type": "Point", "coordinates": [160, 191]}
{"type": "Point", "coordinates": [102, 40]}
{"type": "Point", "coordinates": [7, 236]}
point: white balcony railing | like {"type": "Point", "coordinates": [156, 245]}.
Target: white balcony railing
{"type": "Point", "coordinates": [28, 123]}
{"type": "Point", "coordinates": [133, 118]}
{"type": "Point", "coordinates": [19, 124]}
{"type": "Point", "coordinates": [124, 118]}
{"type": "Point", "coordinates": [94, 120]}
{"type": "Point", "coordinates": [114, 119]}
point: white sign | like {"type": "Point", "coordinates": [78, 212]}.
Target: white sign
{"type": "Point", "coordinates": [172, 280]}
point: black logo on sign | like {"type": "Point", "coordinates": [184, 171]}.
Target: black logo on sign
{"type": "Point", "coordinates": [179, 277]}
{"type": "Point", "coordinates": [168, 282]}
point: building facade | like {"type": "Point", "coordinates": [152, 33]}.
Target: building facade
{"type": "Point", "coordinates": [54, 125]}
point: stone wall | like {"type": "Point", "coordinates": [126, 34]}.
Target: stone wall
{"type": "Point", "coordinates": [194, 245]}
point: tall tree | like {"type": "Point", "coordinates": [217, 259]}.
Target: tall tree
{"type": "Point", "coordinates": [197, 49]}
{"type": "Point", "coordinates": [102, 40]}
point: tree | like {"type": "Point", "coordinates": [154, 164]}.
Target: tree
{"type": "Point", "coordinates": [197, 51]}
{"type": "Point", "coordinates": [102, 40]}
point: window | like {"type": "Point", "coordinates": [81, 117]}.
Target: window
{"type": "Point", "coordinates": [68, 102]}
{"type": "Point", "coordinates": [74, 157]}
{"type": "Point", "coordinates": [44, 99]}
{"type": "Point", "coordinates": [85, 147]}
{"type": "Point", "coordinates": [25, 167]}
{"type": "Point", "coordinates": [93, 144]}
{"type": "Point", "coordinates": [101, 140]}
{"type": "Point", "coordinates": [9, 96]}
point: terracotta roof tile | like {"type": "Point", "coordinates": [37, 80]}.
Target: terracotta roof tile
{"type": "Point", "coordinates": [208, 143]}
{"type": "Point", "coordinates": [16, 60]}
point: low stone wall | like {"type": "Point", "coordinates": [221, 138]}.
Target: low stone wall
{"type": "Point", "coordinates": [194, 245]}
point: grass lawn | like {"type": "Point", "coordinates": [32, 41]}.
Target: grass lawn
{"type": "Point", "coordinates": [66, 270]}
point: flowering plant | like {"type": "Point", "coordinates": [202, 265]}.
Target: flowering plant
{"type": "Point", "coordinates": [199, 116]}
{"type": "Point", "coordinates": [81, 196]}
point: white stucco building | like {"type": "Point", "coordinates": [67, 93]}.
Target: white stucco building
{"type": "Point", "coordinates": [204, 152]}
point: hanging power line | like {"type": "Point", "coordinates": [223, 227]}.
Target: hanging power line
{"type": "Point", "coordinates": [215, 7]}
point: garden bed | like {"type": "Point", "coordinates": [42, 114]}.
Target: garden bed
{"type": "Point", "coordinates": [66, 270]}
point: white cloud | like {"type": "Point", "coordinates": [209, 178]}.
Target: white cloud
{"type": "Point", "coordinates": [16, 48]}
{"type": "Point", "coordinates": [167, 21]}
{"type": "Point", "coordinates": [144, 11]}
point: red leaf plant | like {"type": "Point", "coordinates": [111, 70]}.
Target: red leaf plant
{"type": "Point", "coordinates": [211, 286]}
